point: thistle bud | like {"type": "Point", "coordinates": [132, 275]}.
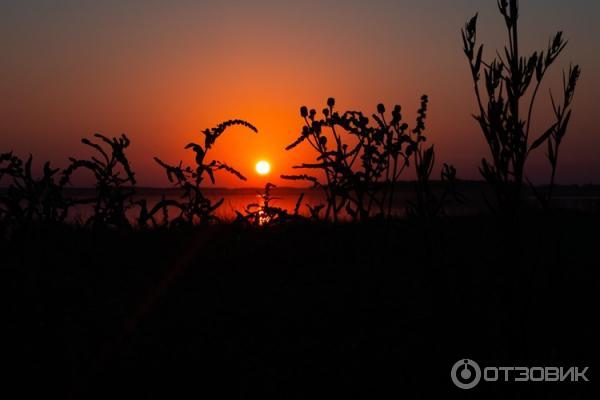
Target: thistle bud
{"type": "Point", "coordinates": [303, 111]}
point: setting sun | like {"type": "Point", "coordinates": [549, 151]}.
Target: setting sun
{"type": "Point", "coordinates": [263, 167]}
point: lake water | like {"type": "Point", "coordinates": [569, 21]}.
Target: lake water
{"type": "Point", "coordinates": [233, 200]}
{"type": "Point", "coordinates": [286, 198]}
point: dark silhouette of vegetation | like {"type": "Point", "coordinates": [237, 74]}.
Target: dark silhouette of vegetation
{"type": "Point", "coordinates": [264, 214]}
{"type": "Point", "coordinates": [147, 216]}
{"type": "Point", "coordinates": [503, 115]}
{"type": "Point", "coordinates": [562, 114]}
{"type": "Point", "coordinates": [428, 203]}
{"type": "Point", "coordinates": [362, 162]}
{"type": "Point", "coordinates": [194, 206]}
{"type": "Point", "coordinates": [28, 199]}
{"type": "Point", "coordinates": [114, 181]}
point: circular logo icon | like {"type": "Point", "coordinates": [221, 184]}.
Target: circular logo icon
{"type": "Point", "coordinates": [465, 374]}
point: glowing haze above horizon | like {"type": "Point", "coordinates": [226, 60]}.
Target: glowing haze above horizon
{"type": "Point", "coordinates": [162, 71]}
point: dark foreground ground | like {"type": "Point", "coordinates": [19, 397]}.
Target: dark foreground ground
{"type": "Point", "coordinates": [300, 311]}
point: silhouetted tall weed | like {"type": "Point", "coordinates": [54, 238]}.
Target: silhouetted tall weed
{"type": "Point", "coordinates": [28, 199]}
{"type": "Point", "coordinates": [114, 181]}
{"type": "Point", "coordinates": [194, 206]}
{"type": "Point", "coordinates": [362, 161]}
{"type": "Point", "coordinates": [503, 115]}
{"type": "Point", "coordinates": [263, 213]}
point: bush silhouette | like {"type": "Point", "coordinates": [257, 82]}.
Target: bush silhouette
{"type": "Point", "coordinates": [362, 161]}
{"type": "Point", "coordinates": [504, 121]}
{"type": "Point", "coordinates": [115, 181]}
{"type": "Point", "coordinates": [194, 206]}
{"type": "Point", "coordinates": [263, 213]}
{"type": "Point", "coordinates": [27, 199]}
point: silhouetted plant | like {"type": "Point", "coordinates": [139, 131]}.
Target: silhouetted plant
{"type": "Point", "coordinates": [562, 114]}
{"type": "Point", "coordinates": [315, 211]}
{"type": "Point", "coordinates": [501, 117]}
{"type": "Point", "coordinates": [428, 202]}
{"type": "Point", "coordinates": [27, 199]}
{"type": "Point", "coordinates": [194, 206]}
{"type": "Point", "coordinates": [361, 176]}
{"type": "Point", "coordinates": [114, 181]}
{"type": "Point", "coordinates": [146, 216]}
{"type": "Point", "coordinates": [265, 214]}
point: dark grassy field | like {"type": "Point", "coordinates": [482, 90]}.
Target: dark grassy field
{"type": "Point", "coordinates": [301, 310]}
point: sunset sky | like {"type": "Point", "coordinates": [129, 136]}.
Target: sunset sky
{"type": "Point", "coordinates": [162, 71]}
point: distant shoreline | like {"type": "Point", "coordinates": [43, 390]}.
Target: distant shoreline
{"type": "Point", "coordinates": [575, 190]}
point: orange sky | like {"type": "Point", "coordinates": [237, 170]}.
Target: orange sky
{"type": "Point", "coordinates": [162, 72]}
